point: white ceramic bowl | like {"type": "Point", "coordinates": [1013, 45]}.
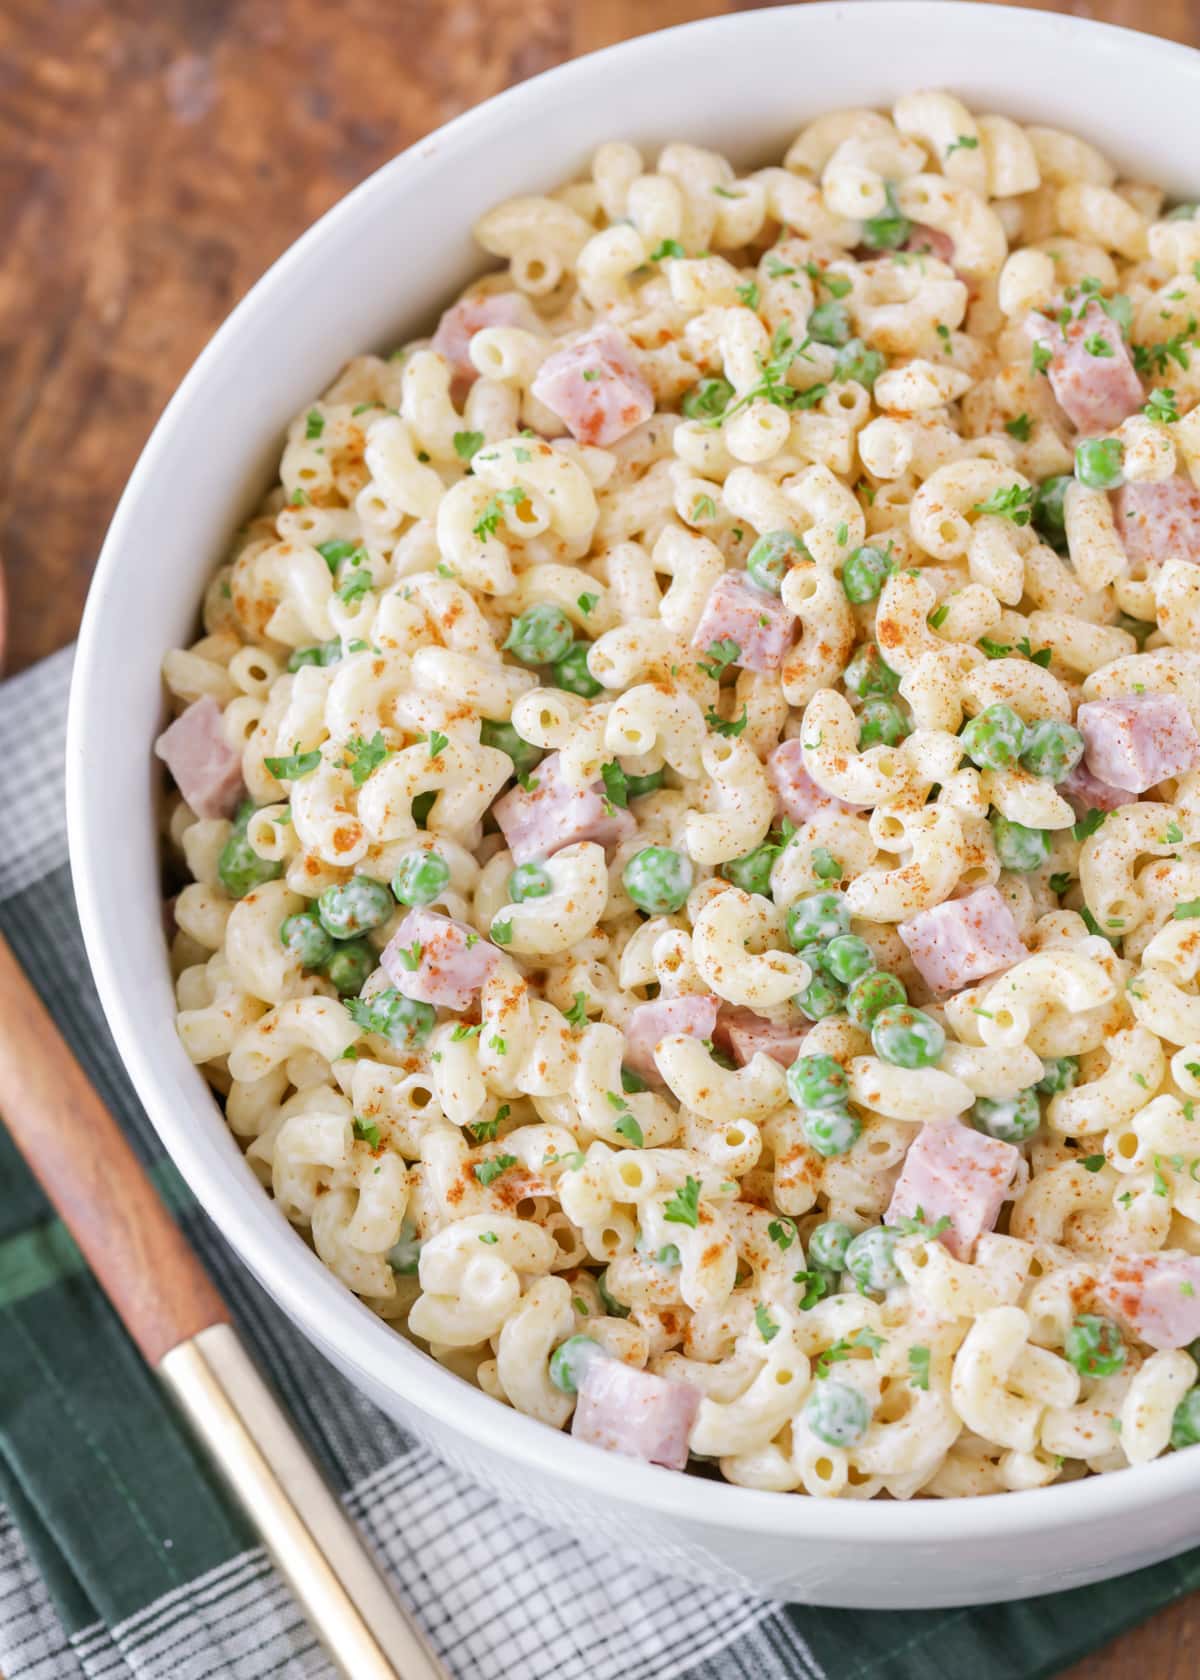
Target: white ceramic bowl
{"type": "Point", "coordinates": [374, 269]}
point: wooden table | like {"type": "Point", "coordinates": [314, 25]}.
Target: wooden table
{"type": "Point", "coordinates": [154, 159]}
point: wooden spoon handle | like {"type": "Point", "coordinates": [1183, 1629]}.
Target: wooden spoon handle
{"type": "Point", "coordinates": [99, 1187]}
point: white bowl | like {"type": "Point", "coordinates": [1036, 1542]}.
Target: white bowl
{"type": "Point", "coordinates": [374, 269]}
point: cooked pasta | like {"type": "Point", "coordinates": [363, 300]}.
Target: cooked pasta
{"type": "Point", "coordinates": [687, 814]}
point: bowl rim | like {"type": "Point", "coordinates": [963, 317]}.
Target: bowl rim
{"type": "Point", "coordinates": [327, 1312]}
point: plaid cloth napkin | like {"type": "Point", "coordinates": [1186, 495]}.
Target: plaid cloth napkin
{"type": "Point", "coordinates": [120, 1557]}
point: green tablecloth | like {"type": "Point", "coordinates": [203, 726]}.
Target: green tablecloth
{"type": "Point", "coordinates": [119, 1557]}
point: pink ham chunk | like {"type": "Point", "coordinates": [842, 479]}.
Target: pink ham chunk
{"type": "Point", "coordinates": [553, 814]}
{"type": "Point", "coordinates": [738, 611]}
{"type": "Point", "coordinates": [635, 1413]}
{"type": "Point", "coordinates": [799, 796]}
{"type": "Point", "coordinates": [470, 315]}
{"type": "Point", "coordinates": [1085, 792]}
{"type": "Point", "coordinates": [963, 940]}
{"type": "Point", "coordinates": [1160, 521]}
{"type": "Point", "coordinates": [1095, 392]}
{"type": "Point", "coordinates": [649, 1023]}
{"type": "Point", "coordinates": [1157, 1296]}
{"type": "Point", "coordinates": [953, 1172]}
{"type": "Point", "coordinates": [930, 242]}
{"type": "Point", "coordinates": [743, 1034]}
{"type": "Point", "coordinates": [596, 387]}
{"type": "Point", "coordinates": [207, 770]}
{"type": "Point", "coordinates": [1138, 740]}
{"type": "Point", "coordinates": [434, 959]}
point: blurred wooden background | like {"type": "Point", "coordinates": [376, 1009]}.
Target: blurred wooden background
{"type": "Point", "coordinates": [155, 157]}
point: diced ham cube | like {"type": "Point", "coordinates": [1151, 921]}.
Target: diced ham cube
{"type": "Point", "coordinates": [738, 611]}
{"type": "Point", "coordinates": [635, 1413]}
{"type": "Point", "coordinates": [207, 770]}
{"type": "Point", "coordinates": [799, 796]}
{"type": "Point", "coordinates": [649, 1023]}
{"type": "Point", "coordinates": [1096, 392]}
{"type": "Point", "coordinates": [963, 940]}
{"type": "Point", "coordinates": [470, 315]}
{"type": "Point", "coordinates": [953, 1172]}
{"type": "Point", "coordinates": [1157, 1296]}
{"type": "Point", "coordinates": [1085, 792]}
{"type": "Point", "coordinates": [434, 959]}
{"type": "Point", "coordinates": [931, 242]}
{"type": "Point", "coordinates": [553, 814]}
{"type": "Point", "coordinates": [1159, 521]}
{"type": "Point", "coordinates": [1138, 740]}
{"type": "Point", "coordinates": [596, 387]}
{"type": "Point", "coordinates": [742, 1034]}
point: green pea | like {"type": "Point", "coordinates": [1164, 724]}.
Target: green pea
{"type": "Point", "coordinates": [420, 878]}
{"type": "Point", "coordinates": [771, 558]}
{"type": "Point", "coordinates": [854, 361]}
{"type": "Point", "coordinates": [867, 674]}
{"type": "Point", "coordinates": [303, 935]}
{"type": "Point", "coordinates": [707, 400]}
{"type": "Point", "coordinates": [831, 1131]}
{"type": "Point", "coordinates": [817, 1082]}
{"type": "Point", "coordinates": [1052, 749]}
{"type": "Point", "coordinates": [827, 1245]}
{"type": "Point", "coordinates": [1019, 848]}
{"type": "Point", "coordinates": [494, 733]}
{"type": "Point", "coordinates": [1182, 213]}
{"type": "Point", "coordinates": [871, 995]}
{"type": "Point", "coordinates": [829, 323]}
{"type": "Point", "coordinates": [528, 880]}
{"type": "Point", "coordinates": [864, 574]}
{"type": "Point", "coordinates": [613, 1307]}
{"type": "Point", "coordinates": [1185, 1424]}
{"type": "Point", "coordinates": [821, 998]}
{"type": "Point", "coordinates": [1095, 1346]}
{"type": "Point", "coordinates": [356, 906]}
{"type": "Point", "coordinates": [636, 786]}
{"type": "Point", "coordinates": [871, 1259]}
{"type": "Point", "coordinates": [1060, 1073]}
{"type": "Point", "coordinates": [571, 1359]}
{"type": "Point", "coordinates": [406, 1253]}
{"type": "Point", "coordinates": [1011, 1119]}
{"type": "Point", "coordinates": [881, 722]}
{"type": "Point", "coordinates": [658, 880]}
{"type": "Point", "coordinates": [815, 918]}
{"type": "Point", "coordinates": [890, 229]}
{"type": "Point", "coordinates": [404, 1022]}
{"type": "Point", "coordinates": [541, 635]}
{"type": "Point", "coordinates": [1100, 463]}
{"type": "Point", "coordinates": [1049, 514]}
{"type": "Point", "coordinates": [836, 1413]}
{"type": "Point", "coordinates": [995, 739]}
{"type": "Point", "coordinates": [349, 966]}
{"type": "Point", "coordinates": [847, 958]}
{"type": "Point", "coordinates": [571, 672]}
{"type": "Point", "coordinates": [239, 867]}
{"type": "Point", "coordinates": [752, 872]}
{"type": "Point", "coordinates": [907, 1037]}
{"type": "Point", "coordinates": [320, 653]}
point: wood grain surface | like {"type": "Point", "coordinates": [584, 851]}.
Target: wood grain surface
{"type": "Point", "coordinates": [155, 157]}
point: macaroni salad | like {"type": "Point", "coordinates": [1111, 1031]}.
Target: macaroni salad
{"type": "Point", "coordinates": [689, 794]}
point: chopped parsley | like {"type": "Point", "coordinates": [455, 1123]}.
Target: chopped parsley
{"type": "Point", "coordinates": [1155, 358]}
{"type": "Point", "coordinates": [487, 1171]}
{"type": "Point", "coordinates": [1013, 501]}
{"type": "Point", "coordinates": [1160, 406]}
{"type": "Point", "coordinates": [1020, 428]}
{"type": "Point", "coordinates": [918, 1367]}
{"type": "Point", "coordinates": [733, 727]}
{"type": "Point", "coordinates": [356, 586]}
{"type": "Point", "coordinates": [488, 1237]}
{"type": "Point", "coordinates": [587, 603]}
{"type": "Point", "coordinates": [365, 1133]}
{"type": "Point", "coordinates": [667, 248]}
{"type": "Point", "coordinates": [720, 655]}
{"type": "Point", "coordinates": [1092, 1163]}
{"type": "Point", "coordinates": [1088, 824]}
{"type": "Point", "coordinates": [576, 1016]}
{"type": "Point", "coordinates": [1097, 345]}
{"type": "Point", "coordinates": [939, 615]}
{"type": "Point", "coordinates": [767, 1327]}
{"type": "Point", "coordinates": [1041, 358]}
{"type": "Point", "coordinates": [436, 743]}
{"type": "Point", "coordinates": [748, 294]}
{"type": "Point", "coordinates": [616, 783]}
{"type": "Point", "coordinates": [502, 932]}
{"type": "Point", "coordinates": [683, 1208]}
{"type": "Point", "coordinates": [488, 522]}
{"type": "Point", "coordinates": [364, 756]}
{"type": "Point", "coordinates": [844, 1347]}
{"type": "Point", "coordinates": [467, 444]}
{"type": "Point", "coordinates": [295, 765]}
{"type": "Point", "coordinates": [704, 508]}
{"type": "Point", "coordinates": [335, 551]}
{"type": "Point", "coordinates": [782, 1233]}
{"type": "Point", "coordinates": [1186, 911]}
{"type": "Point", "coordinates": [964, 143]}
